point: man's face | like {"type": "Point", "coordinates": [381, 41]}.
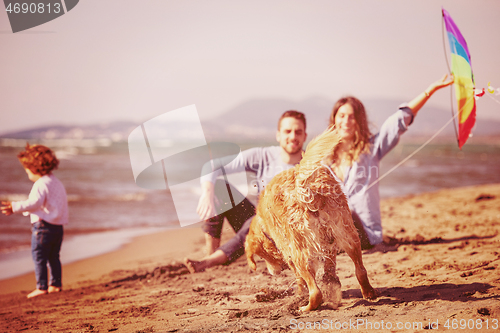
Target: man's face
{"type": "Point", "coordinates": [291, 135]}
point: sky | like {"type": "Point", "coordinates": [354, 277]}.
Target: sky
{"type": "Point", "coordinates": [134, 60]}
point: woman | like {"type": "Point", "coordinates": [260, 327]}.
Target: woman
{"type": "Point", "coordinates": [358, 157]}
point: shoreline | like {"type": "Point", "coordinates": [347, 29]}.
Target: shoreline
{"type": "Point", "coordinates": [129, 252]}
{"type": "Point", "coordinates": [19, 262]}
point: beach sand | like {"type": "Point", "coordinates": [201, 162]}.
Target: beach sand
{"type": "Point", "coordinates": [439, 266]}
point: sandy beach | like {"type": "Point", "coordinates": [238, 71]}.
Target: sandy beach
{"type": "Point", "coordinates": [438, 268]}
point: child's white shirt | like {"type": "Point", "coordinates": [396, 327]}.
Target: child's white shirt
{"type": "Point", "coordinates": [47, 201]}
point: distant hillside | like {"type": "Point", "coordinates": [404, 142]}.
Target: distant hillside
{"type": "Point", "coordinates": [115, 131]}
{"type": "Point", "coordinates": [256, 120]}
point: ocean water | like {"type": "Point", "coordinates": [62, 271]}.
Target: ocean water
{"type": "Point", "coordinates": [103, 196]}
{"type": "Point", "coordinates": [101, 191]}
{"type": "Point", "coordinates": [439, 166]}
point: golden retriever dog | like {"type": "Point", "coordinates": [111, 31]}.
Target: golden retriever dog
{"type": "Point", "coordinates": [302, 220]}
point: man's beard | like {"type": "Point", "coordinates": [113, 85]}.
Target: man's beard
{"type": "Point", "coordinates": [292, 151]}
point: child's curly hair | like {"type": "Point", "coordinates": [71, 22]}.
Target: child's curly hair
{"type": "Point", "coordinates": [38, 159]}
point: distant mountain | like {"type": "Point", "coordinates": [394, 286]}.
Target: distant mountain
{"type": "Point", "coordinates": [256, 120]}
{"type": "Point", "coordinates": [115, 131]}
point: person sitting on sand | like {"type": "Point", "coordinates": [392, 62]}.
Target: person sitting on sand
{"type": "Point", "coordinates": [47, 206]}
{"type": "Point", "coordinates": [357, 158]}
{"type": "Point", "coordinates": [265, 163]}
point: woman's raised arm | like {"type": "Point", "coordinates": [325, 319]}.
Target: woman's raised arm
{"type": "Point", "coordinates": [419, 101]}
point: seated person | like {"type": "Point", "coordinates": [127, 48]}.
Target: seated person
{"type": "Point", "coordinates": [264, 163]}
{"type": "Point", "coordinates": [358, 156]}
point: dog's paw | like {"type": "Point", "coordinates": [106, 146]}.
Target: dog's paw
{"type": "Point", "coordinates": [330, 306]}
{"type": "Point", "coordinates": [306, 308]}
{"type": "Point", "coordinates": [371, 294]}
{"type": "Point", "coordinates": [315, 300]}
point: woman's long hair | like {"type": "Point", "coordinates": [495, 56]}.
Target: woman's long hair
{"type": "Point", "coordinates": [362, 134]}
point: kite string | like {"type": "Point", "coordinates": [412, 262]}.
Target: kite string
{"type": "Point", "coordinates": [413, 153]}
{"type": "Point", "coordinates": [496, 100]}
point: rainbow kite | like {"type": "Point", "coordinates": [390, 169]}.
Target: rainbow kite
{"type": "Point", "coordinates": [464, 79]}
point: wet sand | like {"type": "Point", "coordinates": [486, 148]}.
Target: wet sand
{"type": "Point", "coordinates": [75, 247]}
{"type": "Point", "coordinates": [439, 266]}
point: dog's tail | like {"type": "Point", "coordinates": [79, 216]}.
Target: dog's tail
{"type": "Point", "coordinates": [320, 150]}
{"type": "Point", "coordinates": [314, 182]}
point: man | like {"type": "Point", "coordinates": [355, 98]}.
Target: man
{"type": "Point", "coordinates": [264, 163]}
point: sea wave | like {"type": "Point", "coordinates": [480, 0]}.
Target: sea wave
{"type": "Point", "coordinates": [136, 196]}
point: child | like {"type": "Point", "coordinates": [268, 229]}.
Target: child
{"type": "Point", "coordinates": [47, 206]}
